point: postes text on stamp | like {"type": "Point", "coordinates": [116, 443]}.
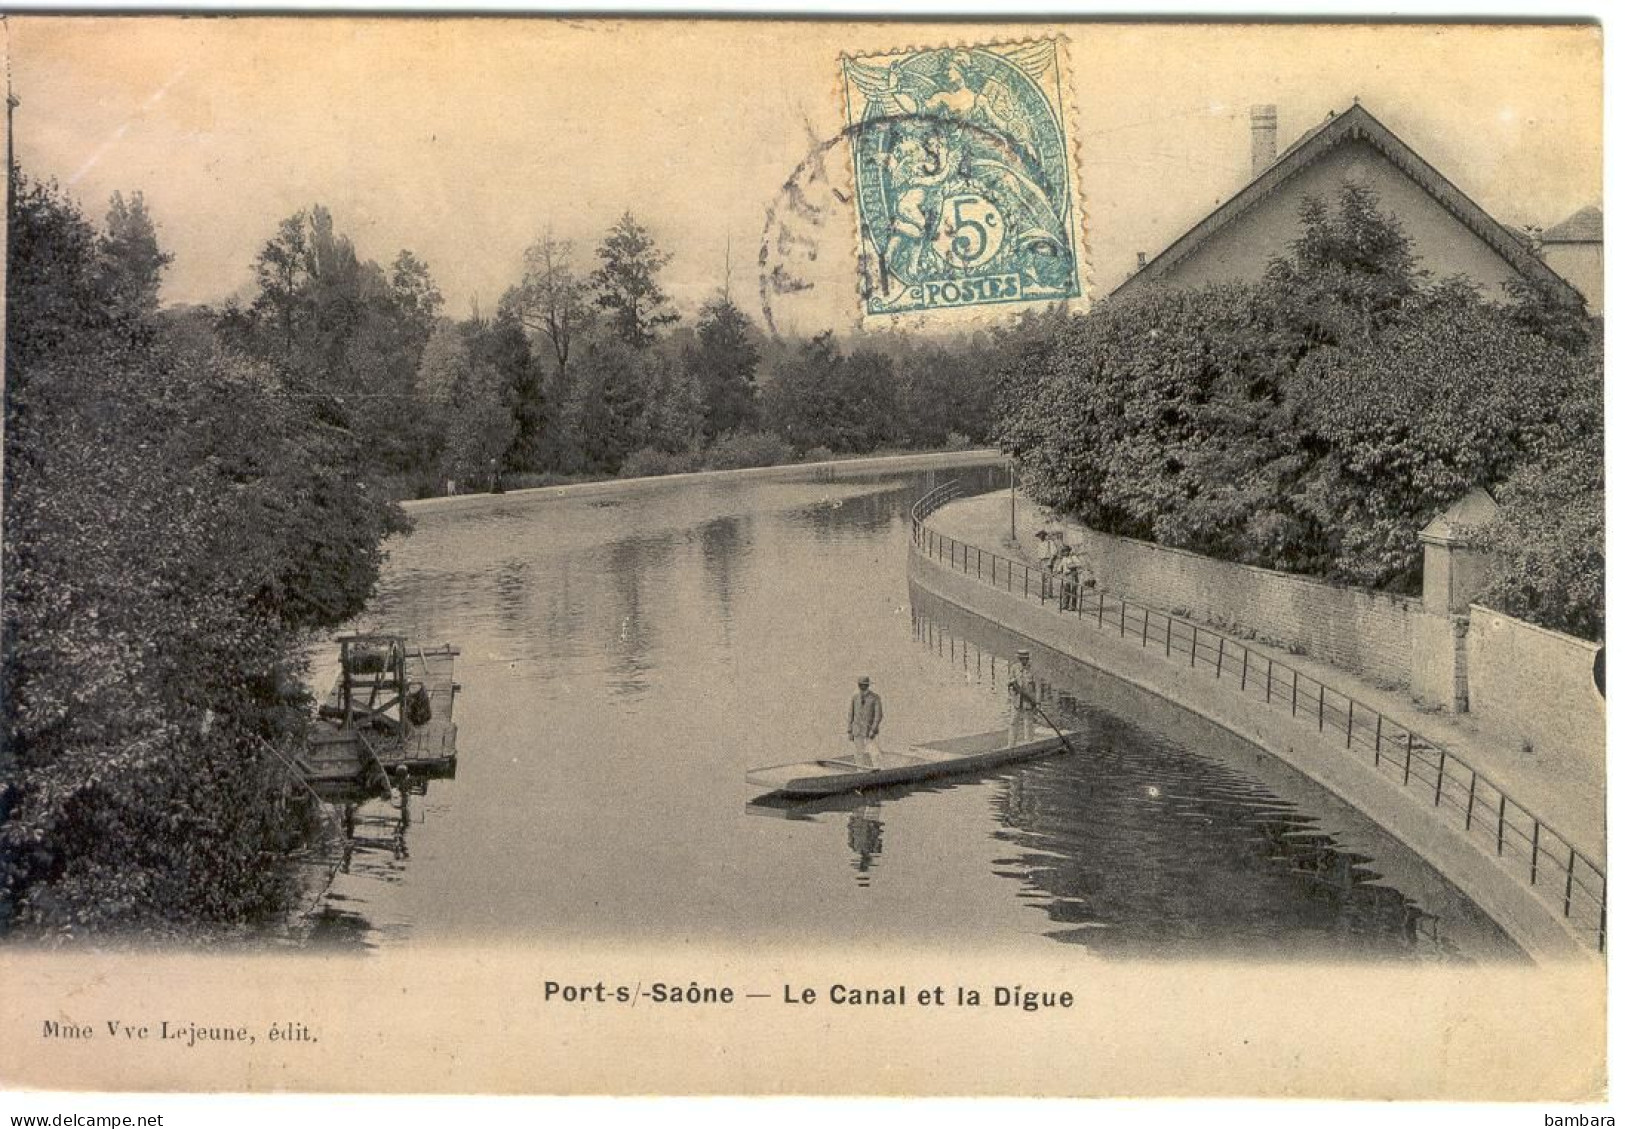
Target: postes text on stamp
{"type": "Point", "coordinates": [963, 177]}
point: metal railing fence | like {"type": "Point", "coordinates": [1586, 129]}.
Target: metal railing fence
{"type": "Point", "coordinates": [1464, 797]}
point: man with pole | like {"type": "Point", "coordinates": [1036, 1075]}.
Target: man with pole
{"type": "Point", "coordinates": [1024, 705]}
{"type": "Point", "coordinates": [1023, 698]}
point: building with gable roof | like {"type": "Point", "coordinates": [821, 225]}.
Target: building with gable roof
{"type": "Point", "coordinates": [1573, 249]}
{"type": "Point", "coordinates": [1451, 234]}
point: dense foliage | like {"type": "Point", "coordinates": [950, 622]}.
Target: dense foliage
{"type": "Point", "coordinates": [584, 373]}
{"type": "Point", "coordinates": [190, 492]}
{"type": "Point", "coordinates": [1547, 541]}
{"type": "Point", "coordinates": [177, 517]}
{"type": "Point", "coordinates": [624, 389]}
{"type": "Point", "coordinates": [1316, 421]}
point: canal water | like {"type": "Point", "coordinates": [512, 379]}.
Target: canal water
{"type": "Point", "coordinates": [627, 656]}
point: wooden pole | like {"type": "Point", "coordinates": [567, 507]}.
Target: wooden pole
{"type": "Point", "coordinates": [1012, 501]}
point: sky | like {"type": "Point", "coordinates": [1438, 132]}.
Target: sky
{"type": "Point", "coordinates": [463, 140]}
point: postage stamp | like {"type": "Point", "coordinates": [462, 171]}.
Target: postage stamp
{"type": "Point", "coordinates": [963, 177]}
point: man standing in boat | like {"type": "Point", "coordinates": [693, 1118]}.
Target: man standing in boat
{"type": "Point", "coordinates": [863, 718]}
{"type": "Point", "coordinates": [1023, 697]}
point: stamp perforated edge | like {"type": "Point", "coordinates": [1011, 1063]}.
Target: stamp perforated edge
{"type": "Point", "coordinates": [970, 316]}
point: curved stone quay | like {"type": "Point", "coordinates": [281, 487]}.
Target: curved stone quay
{"type": "Point", "coordinates": [1354, 739]}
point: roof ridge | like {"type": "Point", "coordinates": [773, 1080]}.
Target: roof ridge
{"type": "Point", "coordinates": [1583, 226]}
{"type": "Point", "coordinates": [1355, 123]}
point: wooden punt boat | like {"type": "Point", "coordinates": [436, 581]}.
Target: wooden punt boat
{"type": "Point", "coordinates": [975, 753]}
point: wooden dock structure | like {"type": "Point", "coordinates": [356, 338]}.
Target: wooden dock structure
{"type": "Point", "coordinates": [388, 721]}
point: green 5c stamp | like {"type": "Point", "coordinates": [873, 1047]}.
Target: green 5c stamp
{"type": "Point", "coordinates": [963, 177]}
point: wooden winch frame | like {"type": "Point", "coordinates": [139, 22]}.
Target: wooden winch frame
{"type": "Point", "coordinates": [374, 698]}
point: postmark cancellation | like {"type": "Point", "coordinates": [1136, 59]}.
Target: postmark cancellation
{"type": "Point", "coordinates": [964, 181]}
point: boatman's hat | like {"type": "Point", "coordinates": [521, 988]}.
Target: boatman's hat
{"type": "Point", "coordinates": [1024, 653]}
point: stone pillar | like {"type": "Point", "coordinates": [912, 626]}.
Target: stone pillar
{"type": "Point", "coordinates": [1452, 574]}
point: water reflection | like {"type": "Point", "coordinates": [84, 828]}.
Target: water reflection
{"type": "Point", "coordinates": [1220, 867]}
{"type": "Point", "coordinates": [725, 546]}
{"type": "Point", "coordinates": [834, 516]}
{"type": "Point", "coordinates": [627, 659]}
{"type": "Point", "coordinates": [632, 564]}
{"type": "Point", "coordinates": [373, 853]}
{"type": "Point", "coordinates": [1142, 846]}
{"type": "Point", "coordinates": [863, 835]}
{"type": "Point", "coordinates": [512, 585]}
{"type": "Point", "coordinates": [865, 830]}
{"type": "Point", "coordinates": [563, 611]}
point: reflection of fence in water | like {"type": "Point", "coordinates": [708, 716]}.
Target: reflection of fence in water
{"type": "Point", "coordinates": [996, 670]}
{"type": "Point", "coordinates": [991, 669]}
{"type": "Point", "coordinates": [1464, 797]}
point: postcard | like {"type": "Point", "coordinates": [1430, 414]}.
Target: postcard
{"type": "Point", "coordinates": [672, 556]}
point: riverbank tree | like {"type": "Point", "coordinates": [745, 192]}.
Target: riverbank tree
{"type": "Point", "coordinates": [178, 517]}
{"type": "Point", "coordinates": [629, 390]}
{"type": "Point", "coordinates": [626, 285]}
{"type": "Point", "coordinates": [1315, 421]}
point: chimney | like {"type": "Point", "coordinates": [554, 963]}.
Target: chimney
{"type": "Point", "coordinates": [1263, 138]}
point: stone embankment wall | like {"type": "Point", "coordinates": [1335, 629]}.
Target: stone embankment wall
{"type": "Point", "coordinates": [1515, 702]}
{"type": "Point", "coordinates": [1369, 633]}
{"type": "Point", "coordinates": [1537, 685]}
{"type": "Point", "coordinates": [1501, 891]}
{"type": "Point", "coordinates": [1513, 679]}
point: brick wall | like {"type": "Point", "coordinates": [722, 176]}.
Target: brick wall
{"type": "Point", "coordinates": [1537, 685]}
{"type": "Point", "coordinates": [1368, 633]}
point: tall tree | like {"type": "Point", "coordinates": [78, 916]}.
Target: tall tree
{"type": "Point", "coordinates": [945, 388]}
{"type": "Point", "coordinates": [673, 418]}
{"type": "Point", "coordinates": [610, 401]}
{"type": "Point", "coordinates": [799, 398]}
{"type": "Point", "coordinates": [464, 390]}
{"type": "Point", "coordinates": [59, 299]}
{"type": "Point", "coordinates": [349, 334]}
{"type": "Point", "coordinates": [723, 360]}
{"type": "Point", "coordinates": [867, 391]}
{"type": "Point", "coordinates": [283, 271]}
{"type": "Point", "coordinates": [1350, 269]}
{"type": "Point", "coordinates": [625, 283]}
{"type": "Point", "coordinates": [820, 397]}
{"type": "Point", "coordinates": [135, 262]}
{"type": "Point", "coordinates": [415, 295]}
{"type": "Point", "coordinates": [501, 344]}
{"type": "Point", "coordinates": [551, 299]}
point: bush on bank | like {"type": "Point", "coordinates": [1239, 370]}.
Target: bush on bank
{"type": "Point", "coordinates": [176, 522]}
{"type": "Point", "coordinates": [1314, 422]}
